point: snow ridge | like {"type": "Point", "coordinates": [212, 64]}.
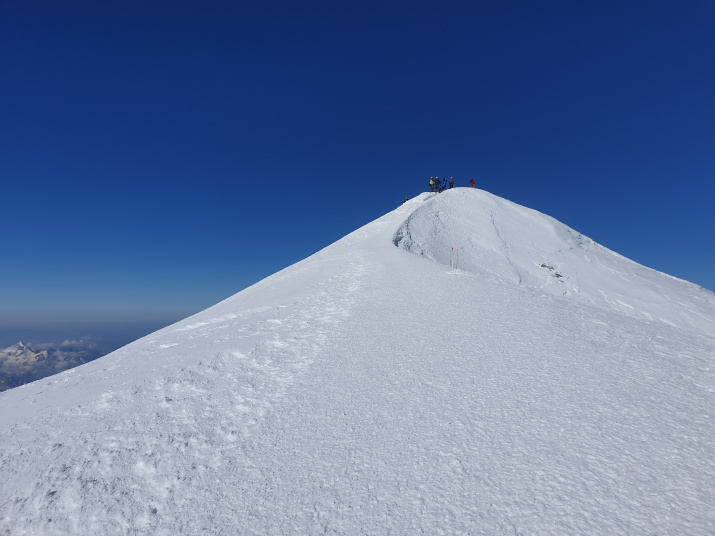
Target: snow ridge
{"type": "Point", "coordinates": [494, 237]}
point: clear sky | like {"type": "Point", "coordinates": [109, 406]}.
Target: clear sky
{"type": "Point", "coordinates": [157, 157]}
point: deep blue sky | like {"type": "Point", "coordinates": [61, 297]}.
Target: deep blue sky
{"type": "Point", "coordinates": [158, 156]}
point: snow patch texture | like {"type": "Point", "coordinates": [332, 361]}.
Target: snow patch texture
{"type": "Point", "coordinates": [367, 390]}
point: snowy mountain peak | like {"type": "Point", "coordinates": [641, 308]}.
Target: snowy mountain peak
{"type": "Point", "coordinates": [541, 384]}
{"type": "Point", "coordinates": [19, 352]}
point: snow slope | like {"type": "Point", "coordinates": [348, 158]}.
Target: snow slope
{"type": "Point", "coordinates": [367, 390]}
{"type": "Point", "coordinates": [497, 238]}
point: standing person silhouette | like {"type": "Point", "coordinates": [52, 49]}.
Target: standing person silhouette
{"type": "Point", "coordinates": [471, 182]}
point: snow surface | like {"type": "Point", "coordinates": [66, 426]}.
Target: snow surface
{"type": "Point", "coordinates": [374, 389]}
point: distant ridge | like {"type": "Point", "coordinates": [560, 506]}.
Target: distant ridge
{"type": "Point", "coordinates": [20, 364]}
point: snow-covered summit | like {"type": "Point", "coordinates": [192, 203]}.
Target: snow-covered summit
{"type": "Point", "coordinates": [369, 390]}
{"type": "Point", "coordinates": [18, 356]}
{"type": "Point", "coordinates": [495, 238]}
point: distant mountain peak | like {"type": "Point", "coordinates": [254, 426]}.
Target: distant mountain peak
{"type": "Point", "coordinates": [21, 355]}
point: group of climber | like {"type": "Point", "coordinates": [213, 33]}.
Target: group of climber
{"type": "Point", "coordinates": [437, 185]}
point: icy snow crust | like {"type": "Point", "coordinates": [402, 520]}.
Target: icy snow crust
{"type": "Point", "coordinates": [367, 390]}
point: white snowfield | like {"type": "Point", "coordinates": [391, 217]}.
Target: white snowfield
{"type": "Point", "coordinates": [374, 389]}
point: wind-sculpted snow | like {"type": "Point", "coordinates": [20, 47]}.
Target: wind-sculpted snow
{"type": "Point", "coordinates": [498, 239]}
{"type": "Point", "coordinates": [366, 390]}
